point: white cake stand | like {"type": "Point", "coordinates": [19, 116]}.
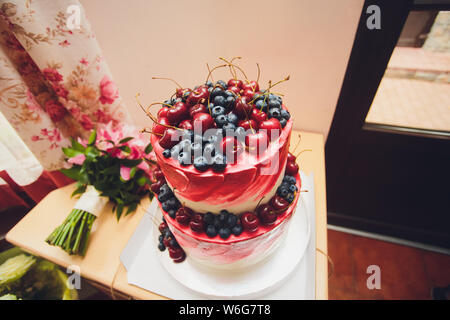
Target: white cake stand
{"type": "Point", "coordinates": [248, 283]}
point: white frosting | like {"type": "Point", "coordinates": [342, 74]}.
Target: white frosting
{"type": "Point", "coordinates": [91, 201]}
{"type": "Point", "coordinates": [248, 205]}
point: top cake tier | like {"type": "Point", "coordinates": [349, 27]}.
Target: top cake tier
{"type": "Point", "coordinates": [251, 180]}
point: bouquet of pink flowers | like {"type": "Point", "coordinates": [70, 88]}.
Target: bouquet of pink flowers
{"type": "Point", "coordinates": [115, 165]}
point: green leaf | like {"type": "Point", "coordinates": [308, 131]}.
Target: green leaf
{"type": "Point", "coordinates": [131, 208]}
{"type": "Point", "coordinates": [125, 140]}
{"type": "Point", "coordinates": [142, 181]}
{"type": "Point", "coordinates": [79, 190]}
{"type": "Point", "coordinates": [125, 149]}
{"type": "Point", "coordinates": [73, 173]}
{"type": "Point", "coordinates": [119, 210]}
{"type": "Point", "coordinates": [92, 152]}
{"type": "Point", "coordinates": [132, 172]}
{"type": "Point", "coordinates": [77, 146]}
{"type": "Point", "coordinates": [70, 153]}
{"type": "Point", "coordinates": [148, 148]}
{"type": "Point", "coordinates": [92, 137]}
{"type": "Point", "coordinates": [130, 162]}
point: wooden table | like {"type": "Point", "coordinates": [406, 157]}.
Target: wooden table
{"type": "Point", "coordinates": [102, 266]}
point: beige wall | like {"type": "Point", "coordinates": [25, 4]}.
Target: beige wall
{"type": "Point", "coordinates": [310, 40]}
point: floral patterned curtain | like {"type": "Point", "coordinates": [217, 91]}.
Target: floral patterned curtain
{"type": "Point", "coordinates": [54, 82]}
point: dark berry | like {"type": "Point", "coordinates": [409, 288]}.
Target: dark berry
{"type": "Point", "coordinates": [289, 179]}
{"type": "Point", "coordinates": [222, 83]}
{"type": "Point", "coordinates": [166, 153]}
{"type": "Point", "coordinates": [172, 213]}
{"type": "Point", "coordinates": [283, 122]}
{"type": "Point", "coordinates": [282, 191]}
{"type": "Point", "coordinates": [161, 246]}
{"type": "Point", "coordinates": [209, 83]}
{"type": "Point", "coordinates": [274, 113]}
{"type": "Point", "coordinates": [209, 218]}
{"type": "Point", "coordinates": [231, 221]}
{"type": "Point", "coordinates": [196, 149]}
{"type": "Point", "coordinates": [223, 217]}
{"type": "Point", "coordinates": [292, 188]}
{"type": "Point", "coordinates": [237, 230]}
{"type": "Point", "coordinates": [220, 101]}
{"type": "Point", "coordinates": [184, 158]}
{"type": "Point", "coordinates": [175, 151]}
{"type": "Point", "coordinates": [217, 92]}
{"type": "Point", "coordinates": [173, 243]}
{"type": "Point", "coordinates": [219, 163]}
{"type": "Point", "coordinates": [160, 238]}
{"type": "Point", "coordinates": [229, 102]}
{"type": "Point", "coordinates": [290, 197]}
{"type": "Point", "coordinates": [274, 103]}
{"type": "Point", "coordinates": [285, 114]}
{"type": "Point", "coordinates": [211, 231]}
{"type": "Point", "coordinates": [224, 233]}
{"type": "Point", "coordinates": [164, 193]}
{"type": "Point", "coordinates": [209, 151]}
{"type": "Point", "coordinates": [232, 118]}
{"type": "Point", "coordinates": [201, 164]}
{"type": "Point", "coordinates": [221, 120]}
{"type": "Point", "coordinates": [261, 105]}
{"type": "Point", "coordinates": [217, 110]}
{"type": "Point", "coordinates": [229, 127]}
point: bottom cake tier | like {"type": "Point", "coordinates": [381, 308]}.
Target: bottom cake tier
{"type": "Point", "coordinates": [247, 249]}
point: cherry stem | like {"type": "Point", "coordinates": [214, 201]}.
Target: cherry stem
{"type": "Point", "coordinates": [298, 143]}
{"type": "Point", "coordinates": [216, 67]}
{"type": "Point", "coordinates": [161, 78]}
{"type": "Point", "coordinates": [259, 73]}
{"type": "Point", "coordinates": [302, 152]}
{"type": "Point", "coordinates": [231, 67]}
{"type": "Point", "coordinates": [273, 85]}
{"type": "Point", "coordinates": [151, 132]}
{"type": "Point", "coordinates": [152, 117]}
{"type": "Point", "coordinates": [209, 72]}
{"type": "Point", "coordinates": [236, 66]}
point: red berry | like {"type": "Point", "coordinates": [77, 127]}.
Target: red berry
{"type": "Point", "coordinates": [166, 241]}
{"type": "Point", "coordinates": [183, 215]}
{"type": "Point", "coordinates": [248, 93]}
{"type": "Point", "coordinates": [291, 157]}
{"type": "Point", "coordinates": [252, 85]}
{"type": "Point", "coordinates": [258, 115]}
{"type": "Point", "coordinates": [257, 142]}
{"type": "Point", "coordinates": [278, 203]}
{"type": "Point", "coordinates": [160, 127]}
{"type": "Point", "coordinates": [170, 138]}
{"type": "Point", "coordinates": [203, 121]}
{"type": "Point", "coordinates": [248, 124]}
{"type": "Point", "coordinates": [198, 108]}
{"type": "Point", "coordinates": [291, 168]}
{"type": "Point", "coordinates": [159, 175]}
{"type": "Point", "coordinates": [272, 126]}
{"type": "Point", "coordinates": [235, 90]}
{"type": "Point", "coordinates": [186, 124]}
{"type": "Point", "coordinates": [197, 223]}
{"type": "Point", "coordinates": [231, 147]}
{"type": "Point", "coordinates": [235, 83]}
{"type": "Point", "coordinates": [162, 113]}
{"type": "Point", "coordinates": [198, 95]}
{"type": "Point", "coordinates": [177, 254]}
{"type": "Point", "coordinates": [156, 186]}
{"type": "Point", "coordinates": [177, 113]}
{"type": "Point", "coordinates": [180, 92]}
{"type": "Point", "coordinates": [162, 226]}
{"type": "Point", "coordinates": [266, 214]}
{"type": "Point", "coordinates": [249, 221]}
{"type": "Point", "coordinates": [242, 108]}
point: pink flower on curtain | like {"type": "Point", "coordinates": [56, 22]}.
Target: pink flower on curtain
{"type": "Point", "coordinates": [52, 75]}
{"type": "Point", "coordinates": [86, 122]}
{"type": "Point", "coordinates": [55, 110]}
{"type": "Point", "coordinates": [31, 102]}
{"type": "Point", "coordinates": [102, 117]}
{"type": "Point", "coordinates": [108, 91]}
{"type": "Point", "coordinates": [60, 90]}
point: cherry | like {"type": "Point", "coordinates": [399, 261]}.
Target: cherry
{"type": "Point", "coordinates": [231, 147]}
{"type": "Point", "coordinates": [197, 109]}
{"type": "Point", "coordinates": [162, 113]}
{"type": "Point", "coordinates": [235, 83]}
{"type": "Point", "coordinates": [170, 138]}
{"type": "Point", "coordinates": [166, 241]}
{"type": "Point", "coordinates": [279, 203]}
{"type": "Point", "coordinates": [266, 214]}
{"type": "Point", "coordinates": [177, 113]}
{"type": "Point", "coordinates": [258, 115]}
{"type": "Point", "coordinates": [161, 126]}
{"type": "Point", "coordinates": [156, 186]}
{"type": "Point", "coordinates": [177, 254]}
{"type": "Point", "coordinates": [291, 168]}
{"type": "Point", "coordinates": [271, 125]}
{"type": "Point", "coordinates": [235, 90]}
{"type": "Point", "coordinates": [248, 124]}
{"type": "Point", "coordinates": [162, 227]}
{"type": "Point", "coordinates": [249, 221]}
{"type": "Point", "coordinates": [199, 94]}
{"type": "Point", "coordinates": [252, 85]}
{"type": "Point", "coordinates": [242, 108]}
{"type": "Point", "coordinates": [180, 92]}
{"type": "Point", "coordinates": [257, 142]}
{"type": "Point", "coordinates": [186, 124]}
{"type": "Point", "coordinates": [291, 157]}
{"type": "Point", "coordinates": [158, 175]}
{"type": "Point", "coordinates": [248, 93]}
{"type": "Point", "coordinates": [183, 215]}
{"type": "Point", "coordinates": [203, 121]}
{"type": "Point", "coordinates": [197, 224]}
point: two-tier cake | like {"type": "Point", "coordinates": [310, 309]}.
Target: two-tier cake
{"type": "Point", "coordinates": [226, 182]}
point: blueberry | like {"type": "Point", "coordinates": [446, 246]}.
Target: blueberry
{"type": "Point", "coordinates": [273, 103]}
{"type": "Point", "coordinates": [221, 120]}
{"type": "Point", "coordinates": [219, 163]}
{"type": "Point", "coordinates": [231, 221]}
{"type": "Point", "coordinates": [217, 92]}
{"type": "Point", "coordinates": [175, 151]}
{"type": "Point", "coordinates": [292, 188]}
{"type": "Point", "coordinates": [166, 153]}
{"type": "Point", "coordinates": [229, 127]}
{"type": "Point", "coordinates": [161, 246]}
{"type": "Point", "coordinates": [283, 122]}
{"type": "Point", "coordinates": [222, 83]}
{"type": "Point", "coordinates": [285, 114]}
{"type": "Point", "coordinates": [216, 222]}
{"type": "Point", "coordinates": [274, 113]}
{"type": "Point", "coordinates": [170, 204]}
{"type": "Point", "coordinates": [160, 238]}
{"type": "Point", "coordinates": [173, 243]}
{"type": "Point", "coordinates": [196, 149]}
{"type": "Point", "coordinates": [219, 101]}
{"type": "Point", "coordinates": [289, 179]}
{"type": "Point", "coordinates": [290, 197]}
{"type": "Point", "coordinates": [282, 191]}
{"type": "Point", "coordinates": [211, 231]}
{"type": "Point", "coordinates": [208, 218]}
{"type": "Point", "coordinates": [213, 138]}
{"type": "Point", "coordinates": [223, 217]}
{"type": "Point", "coordinates": [164, 193]}
{"type": "Point", "coordinates": [261, 105]}
{"type": "Point", "coordinates": [229, 103]}
{"type": "Point", "coordinates": [201, 164]}
{"type": "Point", "coordinates": [237, 230]}
{"type": "Point", "coordinates": [230, 94]}
{"type": "Point", "coordinates": [184, 158]}
{"type": "Point", "coordinates": [209, 151]}
{"type": "Point", "coordinates": [172, 213]}
{"type": "Point", "coordinates": [209, 83]}
{"type": "Point", "coordinates": [224, 233]}
{"type": "Point", "coordinates": [167, 233]}
{"type": "Point", "coordinates": [232, 118]}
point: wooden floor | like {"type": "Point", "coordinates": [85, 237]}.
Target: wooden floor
{"type": "Point", "coordinates": [406, 272]}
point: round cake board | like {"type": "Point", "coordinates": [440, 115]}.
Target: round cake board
{"type": "Point", "coordinates": [246, 283]}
